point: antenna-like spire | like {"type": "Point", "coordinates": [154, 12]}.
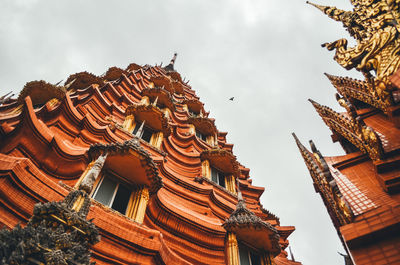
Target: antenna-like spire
{"type": "Point", "coordinates": [70, 84]}
{"type": "Point", "coordinates": [59, 82]}
{"type": "Point", "coordinates": [239, 192]}
{"type": "Point", "coordinates": [291, 254]}
{"type": "Point", "coordinates": [170, 67]}
{"type": "Point", "coordinates": [155, 102]}
{"type": "Point", "coordinates": [140, 130]}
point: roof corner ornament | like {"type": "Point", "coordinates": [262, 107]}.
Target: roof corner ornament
{"type": "Point", "coordinates": [353, 129]}
{"type": "Point", "coordinates": [345, 103]}
{"type": "Point", "coordinates": [239, 192]}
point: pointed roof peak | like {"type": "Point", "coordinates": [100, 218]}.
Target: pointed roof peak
{"type": "Point", "coordinates": [320, 7]}
{"type": "Point", "coordinates": [291, 254]}
{"type": "Point", "coordinates": [313, 101]}
{"type": "Point", "coordinates": [331, 11]}
{"type": "Point", "coordinates": [299, 144]}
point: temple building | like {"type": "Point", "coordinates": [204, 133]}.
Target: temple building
{"type": "Point", "coordinates": [126, 168]}
{"type": "Point", "coordinates": [361, 188]}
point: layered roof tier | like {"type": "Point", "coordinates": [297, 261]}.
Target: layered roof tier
{"type": "Point", "coordinates": [155, 138]}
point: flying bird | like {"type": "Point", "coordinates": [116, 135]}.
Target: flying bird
{"type": "Point", "coordinates": [231, 98]}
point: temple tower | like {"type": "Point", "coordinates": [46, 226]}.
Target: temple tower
{"type": "Point", "coordinates": [361, 189]}
{"type": "Point", "coordinates": [164, 184]}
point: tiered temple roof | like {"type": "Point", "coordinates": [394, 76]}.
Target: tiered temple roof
{"type": "Point", "coordinates": [134, 129]}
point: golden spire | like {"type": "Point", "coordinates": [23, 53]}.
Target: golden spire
{"type": "Point", "coordinates": [332, 12]}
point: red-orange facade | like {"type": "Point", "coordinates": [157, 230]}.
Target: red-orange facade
{"type": "Point", "coordinates": [165, 187]}
{"type": "Point", "coordinates": [361, 188]}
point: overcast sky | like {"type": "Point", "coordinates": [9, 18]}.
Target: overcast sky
{"type": "Point", "coordinates": [265, 53]}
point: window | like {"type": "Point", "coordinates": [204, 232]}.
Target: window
{"type": "Point", "coordinates": [217, 177]}
{"type": "Point", "coordinates": [201, 136]}
{"type": "Point", "coordinates": [248, 256]}
{"type": "Point", "coordinates": [146, 133]}
{"type": "Point", "coordinates": [113, 194]}
{"type": "Point", "coordinates": [193, 113]}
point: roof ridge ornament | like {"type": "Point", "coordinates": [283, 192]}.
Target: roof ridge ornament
{"type": "Point", "coordinates": [353, 129]}
{"type": "Point", "coordinates": [361, 90]}
{"type": "Point", "coordinates": [325, 185]}
{"type": "Point", "coordinates": [243, 222]}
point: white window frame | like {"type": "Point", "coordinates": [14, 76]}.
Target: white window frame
{"type": "Point", "coordinates": [248, 250]}
{"type": "Point", "coordinates": [114, 194]}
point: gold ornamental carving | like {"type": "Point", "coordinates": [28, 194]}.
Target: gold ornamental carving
{"type": "Point", "coordinates": [374, 25]}
{"type": "Point", "coordinates": [353, 129]}
{"type": "Point", "coordinates": [326, 185]}
{"type": "Point", "coordinates": [360, 90]}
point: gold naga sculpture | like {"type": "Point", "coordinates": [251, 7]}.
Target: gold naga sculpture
{"type": "Point", "coordinates": [374, 25]}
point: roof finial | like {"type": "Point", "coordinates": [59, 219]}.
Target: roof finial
{"type": "Point", "coordinates": [170, 67]}
{"type": "Point", "coordinates": [140, 130]}
{"type": "Point", "coordinates": [291, 254]}
{"type": "Point", "coordinates": [239, 193]}
{"type": "Point", "coordinates": [155, 102]}
{"type": "Point", "coordinates": [6, 98]}
{"type": "Point", "coordinates": [173, 58]}
{"type": "Point", "coordinates": [331, 11]}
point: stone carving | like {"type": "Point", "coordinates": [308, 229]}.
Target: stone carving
{"type": "Point", "coordinates": [126, 147]}
{"type": "Point", "coordinates": [92, 174]}
{"type": "Point", "coordinates": [56, 234]}
{"type": "Point", "coordinates": [243, 218]}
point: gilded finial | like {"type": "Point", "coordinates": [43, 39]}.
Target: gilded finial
{"type": "Point", "coordinates": [332, 12]}
{"type": "Point", "coordinates": [320, 7]}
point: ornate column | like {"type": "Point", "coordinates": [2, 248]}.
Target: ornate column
{"type": "Point", "coordinates": [266, 259]}
{"type": "Point", "coordinates": [137, 205]}
{"type": "Point", "coordinates": [210, 140]}
{"type": "Point", "coordinates": [156, 139]}
{"type": "Point", "coordinates": [233, 250]}
{"type": "Point", "coordinates": [230, 183]}
{"type": "Point", "coordinates": [89, 166]}
{"type": "Point", "coordinates": [205, 169]}
{"type": "Point", "coordinates": [129, 123]}
{"type": "Point", "coordinates": [192, 129]}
